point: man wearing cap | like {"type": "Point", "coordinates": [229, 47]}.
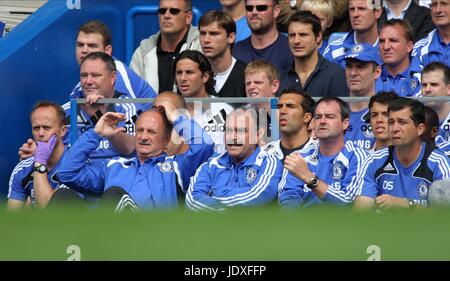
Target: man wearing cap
{"type": "Point", "coordinates": [362, 68]}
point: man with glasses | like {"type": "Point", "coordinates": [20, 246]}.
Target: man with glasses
{"type": "Point", "coordinates": [265, 43]}
{"type": "Point", "coordinates": [154, 57]}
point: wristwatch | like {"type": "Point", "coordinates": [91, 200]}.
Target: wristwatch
{"type": "Point", "coordinates": [41, 168]}
{"type": "Point", "coordinates": [313, 182]}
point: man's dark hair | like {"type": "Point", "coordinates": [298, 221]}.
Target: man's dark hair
{"type": "Point", "coordinates": [383, 97]}
{"type": "Point", "coordinates": [275, 2]}
{"type": "Point", "coordinates": [435, 66]}
{"type": "Point", "coordinates": [107, 59]}
{"type": "Point", "coordinates": [306, 17]}
{"type": "Point", "coordinates": [308, 104]}
{"type": "Point", "coordinates": [345, 109]}
{"type": "Point", "coordinates": [61, 115]}
{"type": "Point", "coordinates": [416, 107]}
{"type": "Point", "coordinates": [408, 31]}
{"type": "Point", "coordinates": [96, 26]}
{"type": "Point", "coordinates": [203, 65]}
{"type": "Point", "coordinates": [222, 19]}
{"type": "Point", "coordinates": [431, 122]}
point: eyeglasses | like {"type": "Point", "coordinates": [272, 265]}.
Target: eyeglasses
{"type": "Point", "coordinates": [259, 8]}
{"type": "Point", "coordinates": [173, 11]}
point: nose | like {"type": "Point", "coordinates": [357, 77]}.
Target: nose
{"type": "Point", "coordinates": [379, 119]}
{"type": "Point", "coordinates": [395, 127]}
{"type": "Point", "coordinates": [89, 79]}
{"type": "Point", "coordinates": [41, 132]}
{"type": "Point", "coordinates": [426, 88]}
{"type": "Point", "coordinates": [85, 49]}
{"type": "Point", "coordinates": [322, 120]}
{"type": "Point", "coordinates": [282, 109]}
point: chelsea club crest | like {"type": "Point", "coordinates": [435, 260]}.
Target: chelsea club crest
{"type": "Point", "coordinates": [357, 49]}
{"type": "Point", "coordinates": [413, 84]}
{"type": "Point", "coordinates": [338, 170]}
{"type": "Point", "coordinates": [251, 175]}
{"type": "Point", "coordinates": [423, 190]}
{"type": "Point", "coordinates": [166, 166]}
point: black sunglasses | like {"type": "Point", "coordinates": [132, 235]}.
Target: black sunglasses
{"type": "Point", "coordinates": [259, 8]}
{"type": "Point", "coordinates": [173, 11]}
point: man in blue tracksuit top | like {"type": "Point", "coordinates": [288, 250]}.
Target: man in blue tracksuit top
{"type": "Point", "coordinates": [151, 180]}
{"type": "Point", "coordinates": [244, 175]}
{"type": "Point", "coordinates": [328, 174]}
{"type": "Point", "coordinates": [95, 36]}
{"type": "Point", "coordinates": [34, 178]}
{"type": "Point", "coordinates": [436, 46]}
{"type": "Point", "coordinates": [400, 175]}
{"type": "Point", "coordinates": [363, 18]}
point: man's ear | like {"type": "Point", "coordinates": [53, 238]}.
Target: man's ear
{"type": "Point", "coordinates": [189, 17]}
{"type": "Point", "coordinates": [345, 123]}
{"type": "Point", "coordinates": [377, 72]}
{"type": "Point", "coordinates": [63, 131]}
{"type": "Point", "coordinates": [421, 129]}
{"type": "Point", "coordinates": [275, 86]}
{"type": "Point", "coordinates": [319, 38]}
{"type": "Point", "coordinates": [108, 50]}
{"type": "Point", "coordinates": [307, 117]}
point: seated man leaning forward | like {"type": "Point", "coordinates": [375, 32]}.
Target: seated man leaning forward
{"type": "Point", "coordinates": [151, 180]}
{"type": "Point", "coordinates": [244, 175]}
{"type": "Point", "coordinates": [399, 176]}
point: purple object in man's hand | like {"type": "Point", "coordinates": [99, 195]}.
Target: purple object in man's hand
{"type": "Point", "coordinates": [44, 150]}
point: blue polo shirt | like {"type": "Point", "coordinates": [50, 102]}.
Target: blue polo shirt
{"type": "Point", "coordinates": [405, 84]}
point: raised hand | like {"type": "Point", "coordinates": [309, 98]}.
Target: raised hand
{"type": "Point", "coordinates": [27, 149]}
{"type": "Point", "coordinates": [44, 150]}
{"type": "Point", "coordinates": [107, 125]}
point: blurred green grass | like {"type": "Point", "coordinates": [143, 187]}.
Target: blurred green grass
{"type": "Point", "coordinates": [267, 234]}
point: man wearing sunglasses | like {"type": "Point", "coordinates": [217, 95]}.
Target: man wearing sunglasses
{"type": "Point", "coordinates": [265, 43]}
{"type": "Point", "coordinates": [154, 57]}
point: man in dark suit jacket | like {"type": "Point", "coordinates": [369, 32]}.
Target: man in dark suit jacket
{"type": "Point", "coordinates": [418, 16]}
